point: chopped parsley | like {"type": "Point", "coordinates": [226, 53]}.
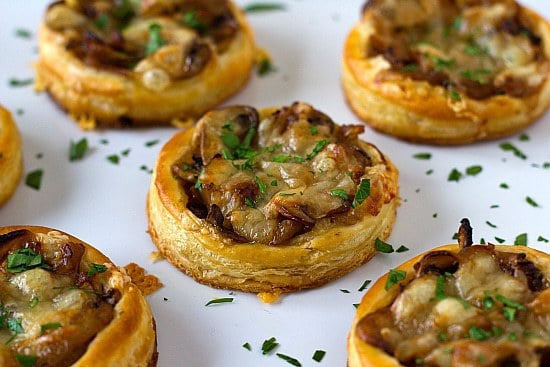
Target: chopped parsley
{"type": "Point", "coordinates": [521, 240]}
{"type": "Point", "coordinates": [191, 20]}
{"type": "Point", "coordinates": [289, 359]}
{"type": "Point", "coordinates": [499, 240]}
{"type": "Point", "coordinates": [440, 288]}
{"type": "Point", "coordinates": [260, 7]}
{"type": "Point", "coordinates": [318, 147]}
{"type": "Point", "coordinates": [13, 82]}
{"type": "Point", "coordinates": [509, 147]}
{"type": "Point", "coordinates": [268, 345]}
{"type": "Point", "coordinates": [473, 170]}
{"type": "Point", "coordinates": [410, 68]}
{"type": "Point", "coordinates": [441, 63]}
{"type": "Point", "coordinates": [150, 143]}
{"type": "Point", "coordinates": [26, 360]}
{"type": "Point", "coordinates": [455, 175]}
{"type": "Point", "coordinates": [265, 67]}
{"type": "Point", "coordinates": [14, 325]}
{"type": "Point", "coordinates": [313, 130]}
{"type": "Point", "coordinates": [509, 313]}
{"type": "Point", "coordinates": [344, 291]}
{"type": "Point", "coordinates": [34, 179]}
{"type": "Point", "coordinates": [363, 192]}
{"type": "Point", "coordinates": [155, 39]}
{"type": "Point", "coordinates": [478, 333]}
{"type": "Point", "coordinates": [490, 224]}
{"type": "Point", "coordinates": [78, 149]}
{"type": "Point", "coordinates": [531, 202]}
{"type": "Point", "coordinates": [23, 33]}
{"type": "Point", "coordinates": [318, 355]}
{"type": "Point", "coordinates": [424, 156]}
{"type": "Point", "coordinates": [382, 246]}
{"type": "Point", "coordinates": [113, 158]}
{"type": "Point", "coordinates": [364, 286]}
{"type": "Point", "coordinates": [96, 269]}
{"type": "Point", "coordinates": [249, 202]}
{"type": "Point", "coordinates": [261, 185]}
{"type": "Point", "coordinates": [247, 346]}
{"type": "Point", "coordinates": [542, 239]}
{"type": "Point", "coordinates": [340, 193]}
{"type": "Point", "coordinates": [394, 277]}
{"type": "Point", "coordinates": [455, 96]}
{"type": "Point", "coordinates": [476, 75]}
{"type": "Point", "coordinates": [510, 303]}
{"type": "Point", "coordinates": [402, 249]}
{"type": "Point", "coordinates": [101, 21]}
{"type": "Point", "coordinates": [24, 259]}
{"type": "Point", "coordinates": [49, 326]}
{"type": "Point", "coordinates": [219, 300]}
{"type": "Point", "coordinates": [33, 302]}
{"type": "Point", "coordinates": [504, 186]}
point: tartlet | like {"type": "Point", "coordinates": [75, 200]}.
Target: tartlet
{"type": "Point", "coordinates": [272, 201]}
{"type": "Point", "coordinates": [447, 72]}
{"type": "Point", "coordinates": [457, 305]}
{"type": "Point", "coordinates": [154, 62]}
{"type": "Point", "coordinates": [63, 303]}
{"type": "Point", "coordinates": [11, 157]}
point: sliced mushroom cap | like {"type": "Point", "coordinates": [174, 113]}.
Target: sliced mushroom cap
{"type": "Point", "coordinates": [465, 234]}
{"type": "Point", "coordinates": [438, 262]}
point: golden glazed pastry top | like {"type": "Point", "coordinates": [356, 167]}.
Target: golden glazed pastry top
{"type": "Point", "coordinates": [476, 49]}
{"type": "Point", "coordinates": [269, 181]}
{"type": "Point", "coordinates": [466, 305]}
{"type": "Point", "coordinates": [62, 303]}
{"type": "Point", "coordinates": [11, 161]}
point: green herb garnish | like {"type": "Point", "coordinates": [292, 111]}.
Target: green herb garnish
{"type": "Point", "coordinates": [364, 286]}
{"type": "Point", "coordinates": [23, 33]}
{"type": "Point", "coordinates": [318, 355]}
{"type": "Point", "coordinates": [96, 269]}
{"type": "Point", "coordinates": [268, 345]}
{"type": "Point", "coordinates": [219, 300]}
{"type": "Point", "coordinates": [261, 185]}
{"type": "Point", "coordinates": [24, 259]}
{"type": "Point", "coordinates": [78, 149]}
{"type": "Point", "coordinates": [26, 360]}
{"type": "Point", "coordinates": [49, 326]}
{"type": "Point", "coordinates": [402, 249]}
{"type": "Point", "coordinates": [13, 82]}
{"type": "Point", "coordinates": [473, 170]}
{"type": "Point", "coordinates": [340, 193]}
{"type": "Point", "coordinates": [150, 143]}
{"type": "Point", "coordinates": [478, 333]}
{"type": "Point", "coordinates": [101, 21]}
{"type": "Point", "coordinates": [317, 148]}
{"type": "Point", "coordinates": [440, 288]}
{"type": "Point", "coordinates": [34, 179]}
{"type": "Point", "coordinates": [289, 359]}
{"type": "Point", "coordinates": [531, 202]}
{"type": "Point", "coordinates": [260, 7]}
{"type": "Point", "coordinates": [155, 39]}
{"type": "Point", "coordinates": [423, 156]}
{"type": "Point", "coordinates": [382, 246]}
{"type": "Point", "coordinates": [455, 96]}
{"type": "Point", "coordinates": [511, 148]}
{"type": "Point", "coordinates": [247, 346]}
{"type": "Point", "coordinates": [521, 240]}
{"type": "Point", "coordinates": [455, 175]}
{"type": "Point", "coordinates": [33, 302]}
{"type": "Point", "coordinates": [191, 20]}
{"type": "Point", "coordinates": [394, 277]}
{"type": "Point", "coordinates": [363, 192]}
{"type": "Point", "coordinates": [265, 67]}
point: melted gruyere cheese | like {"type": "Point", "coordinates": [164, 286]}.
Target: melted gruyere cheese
{"type": "Point", "coordinates": [52, 305]}
{"type": "Point", "coordinates": [478, 307]}
{"type": "Point", "coordinates": [477, 48]}
{"type": "Point", "coordinates": [271, 180]}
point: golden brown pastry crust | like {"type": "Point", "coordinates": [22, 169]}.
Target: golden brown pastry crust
{"type": "Point", "coordinates": [11, 158]}
{"type": "Point", "coordinates": [306, 260]}
{"type": "Point", "coordinates": [106, 98]}
{"type": "Point", "coordinates": [361, 354]}
{"type": "Point", "coordinates": [418, 111]}
{"type": "Point", "coordinates": [130, 337]}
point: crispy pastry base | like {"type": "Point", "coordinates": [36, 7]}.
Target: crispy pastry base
{"type": "Point", "coordinates": [130, 339]}
{"type": "Point", "coordinates": [361, 354]}
{"type": "Point", "coordinates": [101, 98]}
{"type": "Point", "coordinates": [11, 161]}
{"type": "Point", "coordinates": [419, 112]}
{"type": "Point", "coordinates": [210, 257]}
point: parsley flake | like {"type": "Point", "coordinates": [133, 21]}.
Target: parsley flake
{"type": "Point", "coordinates": [521, 240]}
{"type": "Point", "coordinates": [23, 33]}
{"type": "Point", "coordinates": [247, 346]}
{"type": "Point", "coordinates": [531, 202]}
{"type": "Point", "coordinates": [318, 355]}
{"type": "Point", "coordinates": [402, 249]}
{"type": "Point", "coordinates": [473, 170]}
{"type": "Point", "coordinates": [265, 67]}
{"type": "Point", "coordinates": [24, 259]}
{"type": "Point", "coordinates": [268, 345]}
{"type": "Point", "coordinates": [96, 269]}
{"type": "Point", "coordinates": [155, 39]}
{"type": "Point", "coordinates": [219, 300]}
{"type": "Point", "coordinates": [440, 288]}
{"type": "Point", "coordinates": [261, 185]}
{"type": "Point", "coordinates": [49, 326]}
{"type": "Point", "coordinates": [512, 148]}
{"type": "Point", "coordinates": [13, 82]}
{"type": "Point", "coordinates": [260, 7]}
{"type": "Point", "coordinates": [340, 193]}
{"type": "Point", "coordinates": [394, 277]}
{"type": "Point", "coordinates": [150, 143]}
{"type": "Point", "coordinates": [191, 20]}
{"type": "Point", "coordinates": [113, 158]}
{"type": "Point", "coordinates": [26, 360]}
{"type": "Point", "coordinates": [455, 175]}
{"type": "Point", "coordinates": [289, 359]}
{"type": "Point", "coordinates": [318, 147]}
{"type": "Point", "coordinates": [78, 149]}
{"type": "Point", "coordinates": [363, 192]}
{"type": "Point", "coordinates": [423, 156]}
{"type": "Point", "coordinates": [34, 179]}
{"type": "Point", "coordinates": [364, 286]}
{"type": "Point", "coordinates": [382, 246]}
{"type": "Point", "coordinates": [478, 333]}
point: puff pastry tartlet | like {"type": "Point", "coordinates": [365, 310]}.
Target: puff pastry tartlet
{"type": "Point", "coordinates": [457, 305]}
{"type": "Point", "coordinates": [11, 160]}
{"type": "Point", "coordinates": [151, 62]}
{"type": "Point", "coordinates": [447, 71]}
{"type": "Point", "coordinates": [63, 303]}
{"type": "Point", "coordinates": [270, 201]}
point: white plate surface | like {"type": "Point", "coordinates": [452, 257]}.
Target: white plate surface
{"type": "Point", "coordinates": [103, 203]}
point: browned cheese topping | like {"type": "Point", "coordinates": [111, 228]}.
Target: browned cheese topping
{"type": "Point", "coordinates": [271, 180]}
{"type": "Point", "coordinates": [477, 307]}
{"type": "Point", "coordinates": [475, 48]}
{"type": "Point", "coordinates": [52, 303]}
{"type": "Point", "coordinates": [159, 40]}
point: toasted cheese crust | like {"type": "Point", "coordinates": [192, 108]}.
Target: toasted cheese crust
{"type": "Point", "coordinates": [482, 305]}
{"type": "Point", "coordinates": [125, 63]}
{"type": "Point", "coordinates": [65, 304]}
{"type": "Point", "coordinates": [447, 72]}
{"type": "Point", "coordinates": [11, 157]}
{"type": "Point", "coordinates": [279, 200]}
